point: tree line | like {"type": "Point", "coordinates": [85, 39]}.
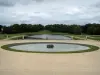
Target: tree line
{"type": "Point", "coordinates": [92, 29]}
{"type": "Point", "coordinates": [21, 28]}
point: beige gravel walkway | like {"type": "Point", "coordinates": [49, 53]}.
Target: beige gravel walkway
{"type": "Point", "coordinates": [16, 63]}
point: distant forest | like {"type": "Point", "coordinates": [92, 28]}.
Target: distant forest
{"type": "Point", "coordinates": [92, 29]}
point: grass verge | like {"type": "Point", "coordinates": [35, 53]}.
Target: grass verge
{"type": "Point", "coordinates": [91, 48]}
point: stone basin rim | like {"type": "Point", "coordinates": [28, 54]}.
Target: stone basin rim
{"type": "Point", "coordinates": [7, 47]}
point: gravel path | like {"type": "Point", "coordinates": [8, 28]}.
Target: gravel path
{"type": "Point", "coordinates": [20, 63]}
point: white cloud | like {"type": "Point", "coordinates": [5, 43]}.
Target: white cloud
{"type": "Point", "coordinates": [50, 11]}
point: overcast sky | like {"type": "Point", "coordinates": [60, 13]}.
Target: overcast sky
{"type": "Point", "coordinates": [49, 11]}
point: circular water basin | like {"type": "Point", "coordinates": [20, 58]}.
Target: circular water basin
{"type": "Point", "coordinates": [57, 47]}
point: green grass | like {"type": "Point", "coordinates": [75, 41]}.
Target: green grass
{"type": "Point", "coordinates": [95, 35]}
{"type": "Point", "coordinates": [94, 38]}
{"type": "Point", "coordinates": [78, 37]}
{"type": "Point", "coordinates": [7, 47]}
{"type": "Point", "coordinates": [19, 35]}
{"type": "Point", "coordinates": [75, 37]}
{"type": "Point", "coordinates": [2, 36]}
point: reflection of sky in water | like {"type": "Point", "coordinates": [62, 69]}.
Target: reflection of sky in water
{"type": "Point", "coordinates": [43, 47]}
{"type": "Point", "coordinates": [46, 36]}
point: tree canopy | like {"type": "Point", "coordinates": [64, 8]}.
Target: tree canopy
{"type": "Point", "coordinates": [92, 29]}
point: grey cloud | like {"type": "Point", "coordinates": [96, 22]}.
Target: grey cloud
{"type": "Point", "coordinates": [49, 11]}
{"type": "Point", "coordinates": [14, 2]}
{"type": "Point", "coordinates": [7, 2]}
{"type": "Point", "coordinates": [39, 0]}
{"type": "Point", "coordinates": [97, 5]}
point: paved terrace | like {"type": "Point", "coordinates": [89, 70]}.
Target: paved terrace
{"type": "Point", "coordinates": [20, 63]}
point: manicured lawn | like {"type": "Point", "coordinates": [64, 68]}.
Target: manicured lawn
{"type": "Point", "coordinates": [75, 37]}
{"type": "Point", "coordinates": [3, 36]}
{"type": "Point", "coordinates": [94, 37]}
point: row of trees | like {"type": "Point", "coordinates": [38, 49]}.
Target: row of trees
{"type": "Point", "coordinates": [73, 29]}
{"type": "Point", "coordinates": [20, 28]}
{"type": "Point", "coordinates": [93, 29]}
